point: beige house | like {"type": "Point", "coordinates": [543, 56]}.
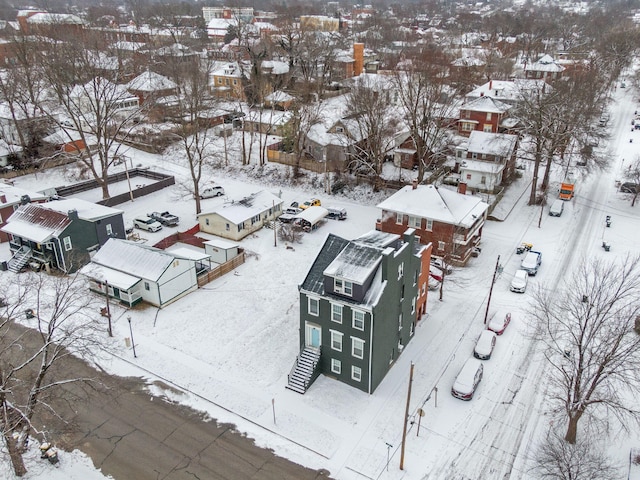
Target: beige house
{"type": "Point", "coordinates": [238, 218]}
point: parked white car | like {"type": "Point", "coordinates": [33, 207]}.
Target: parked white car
{"type": "Point", "coordinates": [147, 223]}
{"type": "Point", "coordinates": [468, 379]}
{"type": "Point", "coordinates": [210, 192]}
{"type": "Point", "coordinates": [519, 281]}
{"type": "Point", "coordinates": [484, 346]}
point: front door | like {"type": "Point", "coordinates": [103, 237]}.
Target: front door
{"type": "Point", "coordinates": [313, 336]}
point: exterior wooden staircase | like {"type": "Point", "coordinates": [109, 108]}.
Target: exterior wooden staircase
{"type": "Point", "coordinates": [19, 259]}
{"type": "Point", "coordinates": [305, 370]}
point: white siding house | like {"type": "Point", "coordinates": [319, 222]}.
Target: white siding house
{"type": "Point", "coordinates": [238, 218]}
{"type": "Point", "coordinates": [134, 273]}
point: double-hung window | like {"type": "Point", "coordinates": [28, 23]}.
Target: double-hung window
{"type": "Point", "coordinates": [336, 313]}
{"type": "Point", "coordinates": [357, 347]}
{"type": "Point", "coordinates": [314, 306]}
{"type": "Point", "coordinates": [358, 320]}
{"type": "Point", "coordinates": [336, 340]}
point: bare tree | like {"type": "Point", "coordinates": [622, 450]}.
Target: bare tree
{"type": "Point", "coordinates": [426, 108]}
{"type": "Point", "coordinates": [586, 331]}
{"type": "Point", "coordinates": [100, 109]}
{"type": "Point", "coordinates": [371, 125]}
{"type": "Point", "coordinates": [555, 459]}
{"type": "Point", "coordinates": [632, 173]}
{"type": "Point", "coordinates": [60, 323]}
{"type": "Point", "coordinates": [195, 109]}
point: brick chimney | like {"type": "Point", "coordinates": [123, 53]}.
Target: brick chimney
{"type": "Point", "coordinates": [3, 198]}
{"type": "Point", "coordinates": [414, 184]}
{"type": "Point", "coordinates": [462, 188]}
{"type": "Point", "coordinates": [490, 84]}
{"type": "Point", "coordinates": [358, 59]}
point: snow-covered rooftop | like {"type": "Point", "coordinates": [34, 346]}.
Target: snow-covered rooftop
{"type": "Point", "coordinates": [439, 204]}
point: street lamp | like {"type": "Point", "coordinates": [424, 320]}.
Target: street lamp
{"type": "Point", "coordinates": [133, 344]}
{"type": "Point", "coordinates": [389, 447]}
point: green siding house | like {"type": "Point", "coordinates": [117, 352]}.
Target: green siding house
{"type": "Point", "coordinates": [357, 309]}
{"type": "Point", "coordinates": [60, 234]}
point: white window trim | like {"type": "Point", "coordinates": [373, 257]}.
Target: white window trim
{"type": "Point", "coordinates": [309, 300]}
{"type": "Point", "coordinates": [333, 305]}
{"type": "Point", "coordinates": [415, 222]}
{"type": "Point", "coordinates": [353, 319]}
{"type": "Point", "coordinates": [399, 218]}
{"type": "Point", "coordinates": [337, 335]}
{"type": "Point", "coordinates": [356, 376]}
{"type": "Point", "coordinates": [429, 225]}
{"type": "Point", "coordinates": [66, 241]}
{"type": "Point", "coordinates": [355, 340]}
{"type": "Point", "coordinates": [336, 366]}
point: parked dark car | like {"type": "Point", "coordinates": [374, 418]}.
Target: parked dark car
{"type": "Point", "coordinates": [629, 187]}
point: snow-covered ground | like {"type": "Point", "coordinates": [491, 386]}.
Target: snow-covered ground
{"type": "Point", "coordinates": [230, 345]}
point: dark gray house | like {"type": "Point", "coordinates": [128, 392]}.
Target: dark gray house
{"type": "Point", "coordinates": [357, 309]}
{"type": "Point", "coordinates": [60, 234]}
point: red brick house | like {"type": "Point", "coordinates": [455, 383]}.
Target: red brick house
{"type": "Point", "coordinates": [450, 221]}
{"type": "Point", "coordinates": [483, 114]}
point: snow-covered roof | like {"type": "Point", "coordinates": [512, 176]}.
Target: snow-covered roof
{"type": "Point", "coordinates": [486, 104]}
{"type": "Point", "coordinates": [55, 18]}
{"type": "Point", "coordinates": [128, 46]}
{"type": "Point", "coordinates": [279, 96]}
{"type": "Point", "coordinates": [36, 223]}
{"type": "Point", "coordinates": [13, 195]}
{"type": "Point", "coordinates": [439, 204]}
{"type": "Point", "coordinates": [115, 278]}
{"type": "Point", "coordinates": [277, 67]}
{"type": "Point", "coordinates": [86, 210]}
{"type": "Point", "coordinates": [545, 64]}
{"type": "Point", "coordinates": [313, 214]}
{"type": "Point", "coordinates": [221, 243]}
{"type": "Point", "coordinates": [151, 82]}
{"type": "Point", "coordinates": [508, 90]}
{"type": "Point", "coordinates": [501, 144]}
{"type": "Point", "coordinates": [190, 253]}
{"type": "Point", "coordinates": [244, 209]}
{"type": "Point", "coordinates": [356, 262]}
{"type": "Point", "coordinates": [134, 259]}
{"type": "Point", "coordinates": [226, 69]}
{"type": "Point", "coordinates": [271, 117]}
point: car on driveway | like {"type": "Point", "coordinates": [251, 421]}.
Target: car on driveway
{"type": "Point", "coordinates": [165, 218]}
{"type": "Point", "coordinates": [485, 344]}
{"type": "Point", "coordinates": [629, 187]}
{"type": "Point", "coordinates": [314, 202]}
{"type": "Point", "coordinates": [519, 281]}
{"type": "Point", "coordinates": [147, 223]}
{"type": "Point", "coordinates": [499, 322]}
{"type": "Point", "coordinates": [468, 379]}
{"type": "Point", "coordinates": [442, 265]}
{"type": "Point", "coordinates": [213, 191]}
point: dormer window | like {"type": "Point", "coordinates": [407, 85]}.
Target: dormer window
{"type": "Point", "coordinates": [339, 130]}
{"type": "Point", "coordinates": [342, 286]}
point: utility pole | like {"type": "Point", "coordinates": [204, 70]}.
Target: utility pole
{"type": "Point", "coordinates": [106, 292]}
{"type": "Point", "coordinates": [133, 344]}
{"type": "Point", "coordinates": [406, 419]}
{"type": "Point", "coordinates": [275, 226]}
{"type": "Point", "coordinates": [495, 272]}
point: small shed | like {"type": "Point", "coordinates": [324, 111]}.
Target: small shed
{"type": "Point", "coordinates": [220, 250]}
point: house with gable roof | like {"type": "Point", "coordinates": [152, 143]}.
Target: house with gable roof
{"type": "Point", "coordinates": [452, 222]}
{"type": "Point", "coordinates": [510, 92]}
{"type": "Point", "coordinates": [238, 218]}
{"type": "Point", "coordinates": [483, 114]}
{"type": "Point", "coordinates": [358, 308]}
{"type": "Point", "coordinates": [130, 273]}
{"type": "Point", "coordinates": [60, 234]}
{"type": "Point", "coordinates": [226, 80]}
{"type": "Point", "coordinates": [11, 198]}
{"type": "Point", "coordinates": [544, 68]}
{"type": "Point", "coordinates": [151, 85]}
{"type": "Point", "coordinates": [486, 160]}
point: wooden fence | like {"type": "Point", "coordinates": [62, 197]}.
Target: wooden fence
{"type": "Point", "coordinates": [305, 163]}
{"type": "Point", "coordinates": [221, 269]}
